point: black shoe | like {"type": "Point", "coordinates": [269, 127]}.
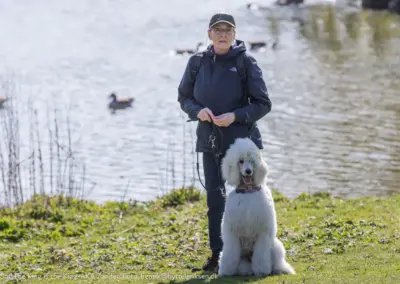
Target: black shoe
{"type": "Point", "coordinates": [211, 265]}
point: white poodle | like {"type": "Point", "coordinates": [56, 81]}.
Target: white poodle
{"type": "Point", "coordinates": [249, 228]}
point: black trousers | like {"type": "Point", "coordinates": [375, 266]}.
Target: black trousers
{"type": "Point", "coordinates": [215, 199]}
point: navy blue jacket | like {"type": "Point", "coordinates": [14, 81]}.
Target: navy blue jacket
{"type": "Point", "coordinates": [218, 87]}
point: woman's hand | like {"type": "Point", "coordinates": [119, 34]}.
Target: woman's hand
{"type": "Point", "coordinates": [205, 115]}
{"type": "Point", "coordinates": [224, 120]}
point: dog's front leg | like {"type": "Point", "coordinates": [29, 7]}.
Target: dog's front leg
{"type": "Point", "coordinates": [261, 262]}
{"type": "Point", "coordinates": [230, 256]}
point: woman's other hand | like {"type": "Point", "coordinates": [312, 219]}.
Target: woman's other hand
{"type": "Point", "coordinates": [205, 115]}
{"type": "Point", "coordinates": [224, 120]}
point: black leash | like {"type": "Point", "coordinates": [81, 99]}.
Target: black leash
{"type": "Point", "coordinates": [198, 171]}
{"type": "Point", "coordinates": [216, 151]}
{"type": "Point", "coordinates": [216, 145]}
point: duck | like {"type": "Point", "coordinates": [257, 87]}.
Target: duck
{"type": "Point", "coordinates": [2, 101]}
{"type": "Point", "coordinates": [188, 50]}
{"type": "Point", "coordinates": [254, 6]}
{"type": "Point", "coordinates": [257, 44]}
{"type": "Point", "coordinates": [288, 2]}
{"type": "Point", "coordinates": [116, 103]}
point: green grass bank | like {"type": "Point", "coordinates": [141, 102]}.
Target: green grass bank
{"type": "Point", "coordinates": [64, 240]}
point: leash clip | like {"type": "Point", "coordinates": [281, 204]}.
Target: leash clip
{"type": "Point", "coordinates": [212, 139]}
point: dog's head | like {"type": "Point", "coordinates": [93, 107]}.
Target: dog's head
{"type": "Point", "coordinates": [243, 163]}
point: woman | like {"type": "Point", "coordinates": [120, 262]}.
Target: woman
{"type": "Point", "coordinates": [215, 96]}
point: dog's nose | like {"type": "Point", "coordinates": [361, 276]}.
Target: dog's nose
{"type": "Point", "coordinates": [248, 171]}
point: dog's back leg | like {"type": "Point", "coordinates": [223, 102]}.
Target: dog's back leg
{"type": "Point", "coordinates": [279, 263]}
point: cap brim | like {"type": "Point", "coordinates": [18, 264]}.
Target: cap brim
{"type": "Point", "coordinates": [226, 22]}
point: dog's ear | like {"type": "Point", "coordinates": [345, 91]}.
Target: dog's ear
{"type": "Point", "coordinates": [260, 172]}
{"type": "Point", "coordinates": [230, 170]}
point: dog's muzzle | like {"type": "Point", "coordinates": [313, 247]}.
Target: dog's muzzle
{"type": "Point", "coordinates": [248, 177]}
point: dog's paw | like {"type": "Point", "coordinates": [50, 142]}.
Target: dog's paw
{"type": "Point", "coordinates": [226, 272]}
{"type": "Point", "coordinates": [261, 270]}
{"type": "Point", "coordinates": [245, 273]}
{"type": "Point", "coordinates": [222, 274]}
{"type": "Point", "coordinates": [262, 274]}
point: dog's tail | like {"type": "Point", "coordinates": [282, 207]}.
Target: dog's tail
{"type": "Point", "coordinates": [280, 265]}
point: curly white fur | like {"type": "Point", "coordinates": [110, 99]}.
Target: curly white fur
{"type": "Point", "coordinates": [249, 221]}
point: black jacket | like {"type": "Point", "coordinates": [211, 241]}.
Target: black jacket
{"type": "Point", "coordinates": [218, 87]}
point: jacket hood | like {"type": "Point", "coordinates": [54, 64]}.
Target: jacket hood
{"type": "Point", "coordinates": [237, 47]}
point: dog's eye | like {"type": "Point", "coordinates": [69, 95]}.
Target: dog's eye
{"type": "Point", "coordinates": [241, 161]}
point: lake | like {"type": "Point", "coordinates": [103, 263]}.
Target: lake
{"type": "Point", "coordinates": [333, 78]}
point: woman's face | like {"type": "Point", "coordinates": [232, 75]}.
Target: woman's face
{"type": "Point", "coordinates": [222, 36]}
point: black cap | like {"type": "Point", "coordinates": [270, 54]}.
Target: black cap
{"type": "Point", "coordinates": [222, 18]}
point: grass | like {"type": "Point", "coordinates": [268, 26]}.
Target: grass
{"type": "Point", "coordinates": [66, 240]}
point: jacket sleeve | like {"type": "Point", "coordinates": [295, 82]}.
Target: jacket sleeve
{"type": "Point", "coordinates": [257, 91]}
{"type": "Point", "coordinates": [185, 93]}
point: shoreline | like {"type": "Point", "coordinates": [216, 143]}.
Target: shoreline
{"type": "Point", "coordinates": [328, 240]}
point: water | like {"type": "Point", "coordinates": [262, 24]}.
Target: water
{"type": "Point", "coordinates": [333, 81]}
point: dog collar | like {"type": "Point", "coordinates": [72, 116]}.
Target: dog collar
{"type": "Point", "coordinates": [247, 189]}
